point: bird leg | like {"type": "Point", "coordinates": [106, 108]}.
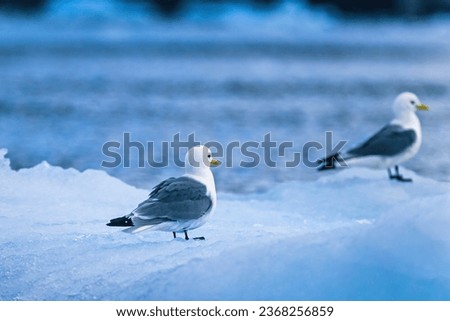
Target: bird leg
{"type": "Point", "coordinates": [186, 237]}
{"type": "Point", "coordinates": [397, 175]}
{"type": "Point", "coordinates": [174, 235]}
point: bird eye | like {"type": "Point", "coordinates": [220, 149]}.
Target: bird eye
{"type": "Point", "coordinates": [412, 102]}
{"type": "Point", "coordinates": [209, 156]}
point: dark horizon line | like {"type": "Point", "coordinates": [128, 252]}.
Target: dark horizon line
{"type": "Point", "coordinates": [367, 8]}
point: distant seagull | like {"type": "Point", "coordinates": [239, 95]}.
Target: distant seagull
{"type": "Point", "coordinates": [177, 204]}
{"type": "Point", "coordinates": [393, 144]}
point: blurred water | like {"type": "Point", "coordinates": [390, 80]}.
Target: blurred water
{"type": "Point", "coordinates": [72, 81]}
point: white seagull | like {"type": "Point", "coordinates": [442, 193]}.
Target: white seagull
{"type": "Point", "coordinates": [393, 144]}
{"type": "Point", "coordinates": [177, 204]}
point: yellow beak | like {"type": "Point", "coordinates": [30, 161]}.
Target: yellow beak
{"type": "Point", "coordinates": [215, 162]}
{"type": "Point", "coordinates": [422, 107]}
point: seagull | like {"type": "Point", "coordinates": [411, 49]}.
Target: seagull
{"type": "Point", "coordinates": [395, 143]}
{"type": "Point", "coordinates": [177, 204]}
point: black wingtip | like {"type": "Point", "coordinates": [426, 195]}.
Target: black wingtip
{"type": "Point", "coordinates": [329, 162]}
{"type": "Point", "coordinates": [121, 221]}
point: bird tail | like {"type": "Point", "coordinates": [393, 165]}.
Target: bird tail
{"type": "Point", "coordinates": [121, 221]}
{"type": "Point", "coordinates": [330, 162]}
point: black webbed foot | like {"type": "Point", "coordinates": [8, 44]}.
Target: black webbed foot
{"type": "Point", "coordinates": [400, 178]}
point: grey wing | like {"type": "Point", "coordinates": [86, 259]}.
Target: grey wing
{"type": "Point", "coordinates": [175, 199]}
{"type": "Point", "coordinates": [389, 141]}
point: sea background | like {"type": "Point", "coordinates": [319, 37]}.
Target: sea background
{"type": "Point", "coordinates": [78, 74]}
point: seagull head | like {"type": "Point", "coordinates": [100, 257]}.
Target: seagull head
{"type": "Point", "coordinates": [199, 159]}
{"type": "Point", "coordinates": [407, 103]}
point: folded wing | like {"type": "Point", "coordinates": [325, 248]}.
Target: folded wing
{"type": "Point", "coordinates": [389, 141]}
{"type": "Point", "coordinates": [174, 199]}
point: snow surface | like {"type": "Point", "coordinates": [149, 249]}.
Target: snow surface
{"type": "Point", "coordinates": [350, 235]}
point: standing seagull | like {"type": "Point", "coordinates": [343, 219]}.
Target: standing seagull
{"type": "Point", "coordinates": [393, 144]}
{"type": "Point", "coordinates": [177, 204]}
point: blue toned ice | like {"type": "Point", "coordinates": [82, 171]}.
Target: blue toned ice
{"type": "Point", "coordinates": [350, 236]}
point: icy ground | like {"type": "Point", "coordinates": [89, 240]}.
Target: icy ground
{"type": "Point", "coordinates": [349, 235]}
